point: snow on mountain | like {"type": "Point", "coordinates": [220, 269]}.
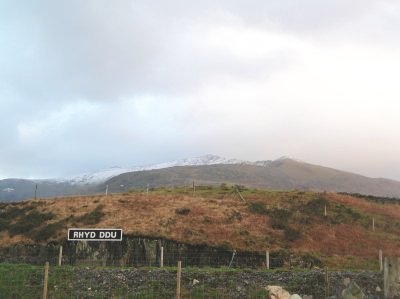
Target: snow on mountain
{"type": "Point", "coordinates": [103, 175]}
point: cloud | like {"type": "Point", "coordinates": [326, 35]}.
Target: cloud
{"type": "Point", "coordinates": [87, 85]}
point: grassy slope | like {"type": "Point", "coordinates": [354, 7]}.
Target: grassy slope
{"type": "Point", "coordinates": [218, 217]}
{"type": "Point", "coordinates": [285, 174]}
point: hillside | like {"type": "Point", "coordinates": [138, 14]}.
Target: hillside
{"type": "Point", "coordinates": [281, 174]}
{"type": "Point", "coordinates": [218, 217]}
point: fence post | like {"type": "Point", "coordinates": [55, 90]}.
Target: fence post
{"type": "Point", "coordinates": [391, 278]}
{"type": "Point", "coordinates": [380, 260]}
{"type": "Point", "coordinates": [60, 256]}
{"type": "Point", "coordinates": [325, 211]}
{"type": "Point", "coordinates": [373, 224]}
{"type": "Point", "coordinates": [326, 282]}
{"type": "Point", "coordinates": [46, 279]}
{"type": "Point", "coordinates": [267, 258]}
{"type": "Point", "coordinates": [178, 281]}
{"type": "Point", "coordinates": [162, 257]}
{"type": "Point", "coordinates": [233, 256]}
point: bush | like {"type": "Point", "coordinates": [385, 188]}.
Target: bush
{"type": "Point", "coordinates": [279, 218]}
{"type": "Point", "coordinates": [234, 215]}
{"type": "Point", "coordinates": [48, 231]}
{"type": "Point", "coordinates": [182, 211]}
{"type": "Point", "coordinates": [93, 217]}
{"type": "Point", "coordinates": [257, 208]}
{"type": "Point", "coordinates": [291, 234]}
{"type": "Point", "coordinates": [315, 206]}
{"type": "Point", "coordinates": [310, 261]}
{"type": "Point", "coordinates": [4, 224]}
{"type": "Point", "coordinates": [28, 222]}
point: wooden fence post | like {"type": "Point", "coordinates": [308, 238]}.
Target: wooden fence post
{"type": "Point", "coordinates": [373, 224]}
{"type": "Point", "coordinates": [233, 256]}
{"type": "Point", "coordinates": [178, 281]}
{"type": "Point", "coordinates": [46, 279]}
{"type": "Point", "coordinates": [162, 257]}
{"type": "Point", "coordinates": [380, 260]}
{"type": "Point", "coordinates": [267, 258]}
{"type": "Point", "coordinates": [326, 282]}
{"type": "Point", "coordinates": [60, 256]}
{"type": "Point", "coordinates": [391, 278]}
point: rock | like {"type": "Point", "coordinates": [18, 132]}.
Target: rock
{"type": "Point", "coordinates": [277, 292]}
{"type": "Point", "coordinates": [346, 281]}
{"type": "Point", "coordinates": [294, 296]}
{"type": "Point", "coordinates": [378, 289]}
{"type": "Point", "coordinates": [353, 291]}
{"type": "Point", "coordinates": [307, 297]}
{"type": "Point", "coordinates": [195, 281]}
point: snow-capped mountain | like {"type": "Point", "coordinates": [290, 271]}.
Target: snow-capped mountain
{"type": "Point", "coordinates": [103, 175]}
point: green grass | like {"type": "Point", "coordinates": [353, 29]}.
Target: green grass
{"type": "Point", "coordinates": [21, 281]}
{"type": "Point", "coordinates": [26, 281]}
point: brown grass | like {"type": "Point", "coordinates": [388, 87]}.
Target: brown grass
{"type": "Point", "coordinates": [228, 223]}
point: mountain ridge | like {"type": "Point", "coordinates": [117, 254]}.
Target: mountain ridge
{"type": "Point", "coordinates": [281, 174]}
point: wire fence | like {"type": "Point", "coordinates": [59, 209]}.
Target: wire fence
{"type": "Point", "coordinates": [151, 253]}
{"type": "Point", "coordinates": [31, 281]}
{"type": "Point", "coordinates": [149, 269]}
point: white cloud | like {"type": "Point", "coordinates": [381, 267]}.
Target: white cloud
{"type": "Point", "coordinates": [87, 86]}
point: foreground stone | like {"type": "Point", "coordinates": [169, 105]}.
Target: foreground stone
{"type": "Point", "coordinates": [277, 292]}
{"type": "Point", "coordinates": [353, 291]}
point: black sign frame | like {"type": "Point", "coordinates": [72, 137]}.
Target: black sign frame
{"type": "Point", "coordinates": [94, 234]}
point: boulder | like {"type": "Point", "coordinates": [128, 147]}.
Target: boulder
{"type": "Point", "coordinates": [195, 281]}
{"type": "Point", "coordinates": [353, 291]}
{"type": "Point", "coordinates": [277, 292]}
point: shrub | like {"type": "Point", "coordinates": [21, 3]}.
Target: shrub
{"type": "Point", "coordinates": [234, 215]}
{"type": "Point", "coordinates": [291, 234]}
{"type": "Point", "coordinates": [207, 220]}
{"type": "Point", "coordinates": [28, 222]}
{"type": "Point", "coordinates": [315, 206]}
{"type": "Point", "coordinates": [92, 217]}
{"type": "Point", "coordinates": [257, 208]}
{"type": "Point", "coordinates": [182, 211]}
{"type": "Point", "coordinates": [4, 224]}
{"type": "Point", "coordinates": [279, 218]}
{"type": "Point", "coordinates": [48, 231]}
{"type": "Point", "coordinates": [309, 261]}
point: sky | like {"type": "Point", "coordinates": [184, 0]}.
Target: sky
{"type": "Point", "coordinates": [87, 85]}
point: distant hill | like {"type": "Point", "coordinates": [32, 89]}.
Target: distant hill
{"type": "Point", "coordinates": [19, 189]}
{"type": "Point", "coordinates": [281, 174]}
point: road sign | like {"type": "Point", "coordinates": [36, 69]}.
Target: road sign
{"type": "Point", "coordinates": [94, 234]}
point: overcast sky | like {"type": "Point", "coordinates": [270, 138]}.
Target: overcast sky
{"type": "Point", "coordinates": [86, 85]}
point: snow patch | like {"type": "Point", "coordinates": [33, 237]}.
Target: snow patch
{"type": "Point", "coordinates": [103, 175]}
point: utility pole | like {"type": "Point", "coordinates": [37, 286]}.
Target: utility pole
{"type": "Point", "coordinates": [36, 191]}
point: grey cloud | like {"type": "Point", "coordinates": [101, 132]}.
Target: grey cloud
{"type": "Point", "coordinates": [108, 50]}
{"type": "Point", "coordinates": [114, 54]}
